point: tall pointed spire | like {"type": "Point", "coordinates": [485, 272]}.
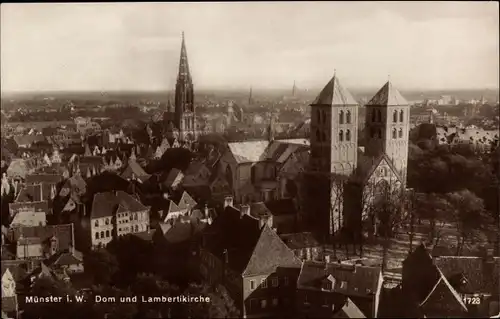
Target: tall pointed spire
{"type": "Point", "coordinates": [293, 88]}
{"type": "Point", "coordinates": [184, 73]}
{"type": "Point", "coordinates": [250, 98]}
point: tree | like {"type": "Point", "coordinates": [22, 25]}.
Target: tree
{"type": "Point", "coordinates": [435, 208]}
{"type": "Point", "coordinates": [148, 285]}
{"type": "Point", "coordinates": [101, 265]}
{"type": "Point", "coordinates": [220, 306]}
{"type": "Point", "coordinates": [470, 217]}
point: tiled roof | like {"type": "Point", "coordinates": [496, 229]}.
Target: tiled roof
{"type": "Point", "coordinates": [259, 210]}
{"type": "Point", "coordinates": [333, 94]}
{"type": "Point", "coordinates": [249, 151]}
{"type": "Point", "coordinates": [63, 233]}
{"type": "Point", "coordinates": [133, 168]}
{"type": "Point", "coordinates": [179, 232]}
{"type": "Point", "coordinates": [129, 202]}
{"type": "Point", "coordinates": [477, 277]}
{"type": "Point", "coordinates": [360, 280]}
{"type": "Point", "coordinates": [368, 164]}
{"type": "Point", "coordinates": [186, 201]}
{"type": "Point", "coordinates": [64, 259]}
{"type": "Point", "coordinates": [103, 205]}
{"type": "Point", "coordinates": [439, 292]}
{"type": "Point", "coordinates": [300, 240]}
{"type": "Point", "coordinates": [172, 177]}
{"type": "Point", "coordinates": [280, 207]}
{"type": "Point", "coordinates": [269, 253]}
{"type": "Point", "coordinates": [388, 96]}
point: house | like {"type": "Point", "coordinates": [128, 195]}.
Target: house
{"type": "Point", "coordinates": [9, 294]}
{"type": "Point", "coordinates": [172, 179]}
{"type": "Point", "coordinates": [115, 214]}
{"type": "Point", "coordinates": [197, 174]}
{"type": "Point", "coordinates": [426, 289]}
{"type": "Point", "coordinates": [71, 262]}
{"type": "Point", "coordinates": [474, 278]}
{"type": "Point", "coordinates": [323, 288]}
{"type": "Point", "coordinates": [178, 207]}
{"type": "Point", "coordinates": [304, 245]}
{"type": "Point", "coordinates": [28, 214]}
{"type": "Point", "coordinates": [252, 262]}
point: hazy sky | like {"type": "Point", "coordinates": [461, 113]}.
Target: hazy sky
{"type": "Point", "coordinates": [430, 45]}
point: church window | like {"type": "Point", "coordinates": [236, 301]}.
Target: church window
{"type": "Point", "coordinates": [379, 116]}
{"type": "Point", "coordinates": [348, 117]}
{"type": "Point", "coordinates": [341, 135]}
{"type": "Point", "coordinates": [318, 115]}
{"type": "Point", "coordinates": [324, 117]}
{"type": "Point", "coordinates": [374, 116]}
{"type": "Point", "coordinates": [318, 136]}
{"type": "Point", "coordinates": [400, 133]}
{"type": "Point", "coordinates": [341, 117]}
{"type": "Point", "coordinates": [348, 135]}
{"type": "Point", "coordinates": [395, 116]}
{"type": "Point", "coordinates": [401, 115]}
{"type": "Point", "coordinates": [394, 133]}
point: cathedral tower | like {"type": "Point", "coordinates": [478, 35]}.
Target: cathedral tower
{"type": "Point", "coordinates": [334, 144]}
{"type": "Point", "coordinates": [185, 119]}
{"type": "Point", "coordinates": [388, 126]}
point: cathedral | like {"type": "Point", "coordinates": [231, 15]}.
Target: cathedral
{"type": "Point", "coordinates": [354, 173]}
{"type": "Point", "coordinates": [183, 118]}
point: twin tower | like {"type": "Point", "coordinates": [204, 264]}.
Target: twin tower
{"type": "Point", "coordinates": [334, 129]}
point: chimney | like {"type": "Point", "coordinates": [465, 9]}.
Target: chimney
{"type": "Point", "coordinates": [228, 201]}
{"type": "Point", "coordinates": [245, 210]}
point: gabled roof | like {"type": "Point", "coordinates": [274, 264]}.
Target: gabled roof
{"type": "Point", "coordinates": [186, 201]}
{"type": "Point", "coordinates": [133, 168]}
{"type": "Point", "coordinates": [63, 233]}
{"type": "Point", "coordinates": [388, 96]}
{"type": "Point", "coordinates": [333, 94]}
{"type": "Point", "coordinates": [103, 205]}
{"type": "Point", "coordinates": [438, 294]}
{"type": "Point", "coordinates": [64, 259]}
{"type": "Point", "coordinates": [368, 164]}
{"type": "Point", "coordinates": [269, 253]}
{"type": "Point", "coordinates": [248, 151]}
{"type": "Point", "coordinates": [359, 280]}
{"type": "Point", "coordinates": [129, 202]}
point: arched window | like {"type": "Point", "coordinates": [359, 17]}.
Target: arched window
{"type": "Point", "coordinates": [341, 135]}
{"type": "Point", "coordinates": [96, 223]}
{"type": "Point", "coordinates": [348, 117]}
{"type": "Point", "coordinates": [401, 115]}
{"type": "Point", "coordinates": [379, 116]}
{"type": "Point", "coordinates": [136, 228]}
{"type": "Point", "coordinates": [400, 133]}
{"type": "Point", "coordinates": [324, 117]}
{"type": "Point", "coordinates": [97, 235]}
{"type": "Point", "coordinates": [318, 136]}
{"type": "Point", "coordinates": [107, 221]}
{"type": "Point", "coordinates": [102, 234]}
{"type": "Point", "coordinates": [395, 116]}
{"type": "Point", "coordinates": [318, 115]}
{"type": "Point", "coordinates": [394, 133]}
{"type": "Point", "coordinates": [341, 117]}
{"type": "Point", "coordinates": [374, 116]}
{"type": "Point", "coordinates": [323, 137]}
{"type": "Point", "coordinates": [348, 135]}
{"type": "Point", "coordinates": [107, 233]}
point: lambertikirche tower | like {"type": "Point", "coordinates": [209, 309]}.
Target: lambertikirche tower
{"type": "Point", "coordinates": [183, 117]}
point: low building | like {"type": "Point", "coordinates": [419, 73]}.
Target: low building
{"type": "Point", "coordinates": [304, 245]}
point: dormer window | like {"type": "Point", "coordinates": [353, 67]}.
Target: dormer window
{"type": "Point", "coordinates": [107, 221]}
{"type": "Point", "coordinates": [96, 223]}
{"type": "Point", "coordinates": [328, 283]}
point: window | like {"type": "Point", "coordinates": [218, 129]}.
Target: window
{"type": "Point", "coordinates": [252, 284]}
{"type": "Point", "coordinates": [107, 221]}
{"type": "Point", "coordinates": [102, 234]}
{"type": "Point", "coordinates": [136, 228]}
{"type": "Point", "coordinates": [327, 285]}
{"type": "Point", "coordinates": [263, 303]}
{"type": "Point", "coordinates": [275, 282]}
{"type": "Point", "coordinates": [96, 223]}
{"type": "Point", "coordinates": [107, 233]}
{"type": "Point", "coordinates": [285, 280]}
{"type": "Point", "coordinates": [324, 117]}
{"type": "Point", "coordinates": [306, 299]}
{"type": "Point", "coordinates": [348, 135]}
{"type": "Point", "coordinates": [400, 133]}
{"type": "Point", "coordinates": [374, 116]}
{"type": "Point", "coordinates": [395, 116]}
{"type": "Point", "coordinates": [348, 117]}
{"type": "Point", "coordinates": [394, 133]}
{"type": "Point", "coordinates": [263, 283]}
{"type": "Point", "coordinates": [326, 302]}
{"type": "Point", "coordinates": [343, 285]}
{"type": "Point", "coordinates": [341, 135]}
{"type": "Point", "coordinates": [379, 116]}
{"type": "Point", "coordinates": [401, 115]}
{"type": "Point", "coordinates": [341, 117]}
{"type": "Point", "coordinates": [318, 115]}
{"type": "Point", "coordinates": [96, 235]}
{"type": "Point", "coordinates": [275, 302]}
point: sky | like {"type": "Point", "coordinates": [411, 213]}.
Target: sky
{"type": "Point", "coordinates": [136, 46]}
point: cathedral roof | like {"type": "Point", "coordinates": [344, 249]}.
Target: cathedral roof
{"type": "Point", "coordinates": [335, 95]}
{"type": "Point", "coordinates": [388, 95]}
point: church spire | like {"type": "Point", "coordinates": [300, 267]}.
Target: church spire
{"type": "Point", "coordinates": [250, 98]}
{"type": "Point", "coordinates": [184, 74]}
{"type": "Point", "coordinates": [294, 88]}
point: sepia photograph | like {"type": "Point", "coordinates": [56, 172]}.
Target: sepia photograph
{"type": "Point", "coordinates": [261, 159]}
